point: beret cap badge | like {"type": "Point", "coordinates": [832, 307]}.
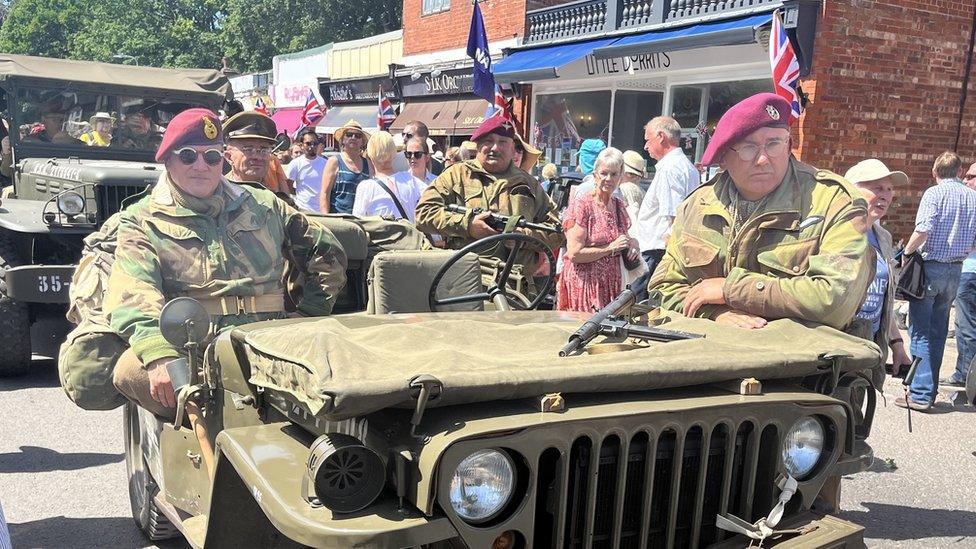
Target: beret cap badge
{"type": "Point", "coordinates": [773, 113]}
{"type": "Point", "coordinates": [209, 128]}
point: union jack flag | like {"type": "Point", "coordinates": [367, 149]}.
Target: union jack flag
{"type": "Point", "coordinates": [385, 115]}
{"type": "Point", "coordinates": [500, 107]}
{"type": "Point", "coordinates": [260, 107]}
{"type": "Point", "coordinates": [786, 68]}
{"type": "Point", "coordinates": [312, 111]}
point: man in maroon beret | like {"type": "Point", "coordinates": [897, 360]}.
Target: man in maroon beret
{"type": "Point", "coordinates": [769, 237]}
{"type": "Point", "coordinates": [198, 235]}
{"type": "Point", "coordinates": [491, 181]}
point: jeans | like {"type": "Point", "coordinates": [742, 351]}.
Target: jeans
{"type": "Point", "coordinates": [929, 325]}
{"type": "Point", "coordinates": [965, 324]}
{"type": "Point", "coordinates": [652, 258]}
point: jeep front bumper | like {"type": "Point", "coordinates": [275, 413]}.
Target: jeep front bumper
{"type": "Point", "coordinates": [819, 531]}
{"type": "Point", "coordinates": [39, 283]}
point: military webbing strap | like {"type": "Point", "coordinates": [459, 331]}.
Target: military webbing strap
{"type": "Point", "coordinates": [243, 304]}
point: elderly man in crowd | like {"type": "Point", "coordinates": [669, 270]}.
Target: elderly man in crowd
{"type": "Point", "coordinates": [675, 177]}
{"type": "Point", "coordinates": [250, 137]}
{"type": "Point", "coordinates": [491, 181]}
{"type": "Point", "coordinates": [768, 238]}
{"type": "Point", "coordinates": [945, 232]}
{"type": "Point", "coordinates": [226, 245]}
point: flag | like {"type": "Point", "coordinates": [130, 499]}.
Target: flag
{"type": "Point", "coordinates": [260, 107]}
{"type": "Point", "coordinates": [500, 106]}
{"type": "Point", "coordinates": [312, 111]}
{"type": "Point", "coordinates": [385, 115]}
{"type": "Point", "coordinates": [786, 68]}
{"type": "Point", "coordinates": [484, 80]}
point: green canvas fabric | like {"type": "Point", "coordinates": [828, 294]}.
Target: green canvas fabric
{"type": "Point", "coordinates": [352, 365]}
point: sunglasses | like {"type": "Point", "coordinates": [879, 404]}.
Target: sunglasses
{"type": "Point", "coordinates": [189, 156]}
{"type": "Point", "coordinates": [310, 143]}
{"type": "Point", "coordinates": [414, 154]}
{"type": "Point", "coordinates": [407, 136]}
{"type": "Point", "coordinates": [355, 135]}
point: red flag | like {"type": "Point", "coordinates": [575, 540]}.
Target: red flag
{"type": "Point", "coordinates": [786, 68]}
{"type": "Point", "coordinates": [385, 115]}
{"type": "Point", "coordinates": [312, 111]}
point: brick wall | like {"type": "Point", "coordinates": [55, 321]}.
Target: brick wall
{"type": "Point", "coordinates": [887, 83]}
{"type": "Point", "coordinates": [449, 29]}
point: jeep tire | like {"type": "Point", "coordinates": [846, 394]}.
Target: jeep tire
{"type": "Point", "coordinates": [142, 486]}
{"type": "Point", "coordinates": [14, 318]}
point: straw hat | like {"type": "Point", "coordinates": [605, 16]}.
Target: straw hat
{"type": "Point", "coordinates": [873, 169]}
{"type": "Point", "coordinates": [350, 125]}
{"type": "Point", "coordinates": [101, 115]}
{"type": "Point", "coordinates": [635, 163]}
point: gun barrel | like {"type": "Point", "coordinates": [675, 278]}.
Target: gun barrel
{"type": "Point", "coordinates": [591, 328]}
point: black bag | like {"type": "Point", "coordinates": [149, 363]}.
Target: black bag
{"type": "Point", "coordinates": [911, 278]}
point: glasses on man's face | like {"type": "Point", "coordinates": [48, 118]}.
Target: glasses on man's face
{"type": "Point", "coordinates": [354, 135]}
{"type": "Point", "coordinates": [407, 136]}
{"type": "Point", "coordinates": [189, 156]}
{"type": "Point", "coordinates": [254, 151]}
{"type": "Point", "coordinates": [774, 148]}
{"type": "Point", "coordinates": [414, 154]}
{"type": "Point", "coordinates": [310, 143]}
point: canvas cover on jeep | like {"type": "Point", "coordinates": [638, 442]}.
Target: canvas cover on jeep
{"type": "Point", "coordinates": [347, 366]}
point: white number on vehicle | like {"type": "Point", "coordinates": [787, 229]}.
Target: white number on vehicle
{"type": "Point", "coordinates": [50, 284]}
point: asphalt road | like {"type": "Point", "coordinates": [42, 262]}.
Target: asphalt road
{"type": "Point", "coordinates": [63, 483]}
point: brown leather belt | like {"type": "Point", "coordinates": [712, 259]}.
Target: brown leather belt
{"type": "Point", "coordinates": [243, 304]}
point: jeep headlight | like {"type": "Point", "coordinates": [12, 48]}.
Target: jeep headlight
{"type": "Point", "coordinates": [482, 485]}
{"type": "Point", "coordinates": [71, 203]}
{"type": "Point", "coordinates": [803, 446]}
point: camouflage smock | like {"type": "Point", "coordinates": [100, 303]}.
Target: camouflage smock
{"type": "Point", "coordinates": [513, 192]}
{"type": "Point", "coordinates": [803, 255]}
{"type": "Point", "coordinates": [167, 251]}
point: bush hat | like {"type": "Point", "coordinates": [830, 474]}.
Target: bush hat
{"type": "Point", "coordinates": [873, 169]}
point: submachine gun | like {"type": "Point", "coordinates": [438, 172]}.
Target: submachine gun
{"type": "Point", "coordinates": [499, 222]}
{"type": "Point", "coordinates": [609, 322]}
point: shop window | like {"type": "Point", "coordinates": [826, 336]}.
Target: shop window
{"type": "Point", "coordinates": [722, 95]}
{"type": "Point", "coordinates": [434, 6]}
{"type": "Point", "coordinates": [631, 111]}
{"type": "Point", "coordinates": [699, 108]}
{"type": "Point", "coordinates": [563, 121]}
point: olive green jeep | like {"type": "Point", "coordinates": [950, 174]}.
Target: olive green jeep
{"type": "Point", "coordinates": [59, 188]}
{"type": "Point", "coordinates": [485, 427]}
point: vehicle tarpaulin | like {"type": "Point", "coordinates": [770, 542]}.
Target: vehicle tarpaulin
{"type": "Point", "coordinates": [346, 366]}
{"type": "Point", "coordinates": [108, 74]}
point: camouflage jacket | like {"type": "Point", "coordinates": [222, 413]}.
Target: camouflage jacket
{"type": "Point", "coordinates": [803, 255]}
{"type": "Point", "coordinates": [166, 251]}
{"type": "Point", "coordinates": [468, 184]}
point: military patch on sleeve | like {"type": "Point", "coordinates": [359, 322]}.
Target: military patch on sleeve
{"type": "Point", "coordinates": [209, 128]}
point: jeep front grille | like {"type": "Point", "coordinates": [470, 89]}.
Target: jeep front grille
{"type": "Point", "coordinates": [648, 485]}
{"type": "Point", "coordinates": [108, 198]}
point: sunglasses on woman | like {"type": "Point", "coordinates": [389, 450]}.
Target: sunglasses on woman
{"type": "Point", "coordinates": [414, 154]}
{"type": "Point", "coordinates": [189, 156]}
{"type": "Point", "coordinates": [354, 135]}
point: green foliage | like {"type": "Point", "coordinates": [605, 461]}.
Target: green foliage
{"type": "Point", "coordinates": [188, 33]}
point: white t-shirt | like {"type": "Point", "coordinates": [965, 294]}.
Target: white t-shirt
{"type": "Point", "coordinates": [371, 199]}
{"type": "Point", "coordinates": [307, 175]}
{"type": "Point", "coordinates": [675, 177]}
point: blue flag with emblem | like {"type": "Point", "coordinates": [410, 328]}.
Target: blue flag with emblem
{"type": "Point", "coordinates": [484, 80]}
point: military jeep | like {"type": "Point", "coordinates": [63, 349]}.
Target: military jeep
{"type": "Point", "coordinates": [405, 426]}
{"type": "Point", "coordinates": [59, 189]}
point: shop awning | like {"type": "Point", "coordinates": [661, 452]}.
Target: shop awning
{"type": "Point", "coordinates": [337, 116]}
{"type": "Point", "coordinates": [703, 35]}
{"type": "Point", "coordinates": [288, 120]}
{"type": "Point", "coordinates": [543, 63]}
{"type": "Point", "coordinates": [443, 116]}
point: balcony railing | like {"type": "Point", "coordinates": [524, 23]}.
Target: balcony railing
{"type": "Point", "coordinates": [584, 18]}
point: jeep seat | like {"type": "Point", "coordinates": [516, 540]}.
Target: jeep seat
{"type": "Point", "coordinates": [355, 242]}
{"type": "Point", "coordinates": [399, 281]}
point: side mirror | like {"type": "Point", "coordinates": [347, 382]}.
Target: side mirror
{"type": "Point", "coordinates": [184, 320]}
{"type": "Point", "coordinates": [282, 144]}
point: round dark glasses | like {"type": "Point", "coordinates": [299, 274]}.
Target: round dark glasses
{"type": "Point", "coordinates": [189, 156]}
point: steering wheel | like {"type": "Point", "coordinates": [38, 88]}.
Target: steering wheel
{"type": "Point", "coordinates": [498, 291]}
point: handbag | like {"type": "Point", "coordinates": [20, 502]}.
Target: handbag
{"type": "Point", "coordinates": [911, 277]}
{"type": "Point", "coordinates": [629, 274]}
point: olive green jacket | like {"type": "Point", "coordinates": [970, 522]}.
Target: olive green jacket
{"type": "Point", "coordinates": [803, 255]}
{"type": "Point", "coordinates": [513, 192]}
{"type": "Point", "coordinates": [166, 251]}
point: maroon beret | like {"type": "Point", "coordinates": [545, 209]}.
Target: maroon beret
{"type": "Point", "coordinates": [495, 124]}
{"type": "Point", "coordinates": [191, 128]}
{"type": "Point", "coordinates": [763, 110]}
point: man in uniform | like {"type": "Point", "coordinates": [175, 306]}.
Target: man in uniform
{"type": "Point", "coordinates": [491, 181]}
{"type": "Point", "coordinates": [250, 137]}
{"type": "Point", "coordinates": [768, 238]}
{"type": "Point", "coordinates": [198, 235]}
{"type": "Point", "coordinates": [136, 131]}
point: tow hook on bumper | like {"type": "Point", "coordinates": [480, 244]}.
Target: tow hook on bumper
{"type": "Point", "coordinates": [764, 527]}
{"type": "Point", "coordinates": [39, 283]}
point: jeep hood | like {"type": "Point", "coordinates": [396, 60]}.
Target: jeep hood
{"type": "Point", "coordinates": [352, 365]}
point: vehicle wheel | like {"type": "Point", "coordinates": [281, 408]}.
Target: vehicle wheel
{"type": "Point", "coordinates": [14, 320]}
{"type": "Point", "coordinates": [142, 486]}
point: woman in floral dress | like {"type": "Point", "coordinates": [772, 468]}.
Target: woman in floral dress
{"type": "Point", "coordinates": [596, 234]}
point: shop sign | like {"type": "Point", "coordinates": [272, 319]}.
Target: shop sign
{"type": "Point", "coordinates": [662, 62]}
{"type": "Point", "coordinates": [357, 91]}
{"type": "Point", "coordinates": [450, 82]}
